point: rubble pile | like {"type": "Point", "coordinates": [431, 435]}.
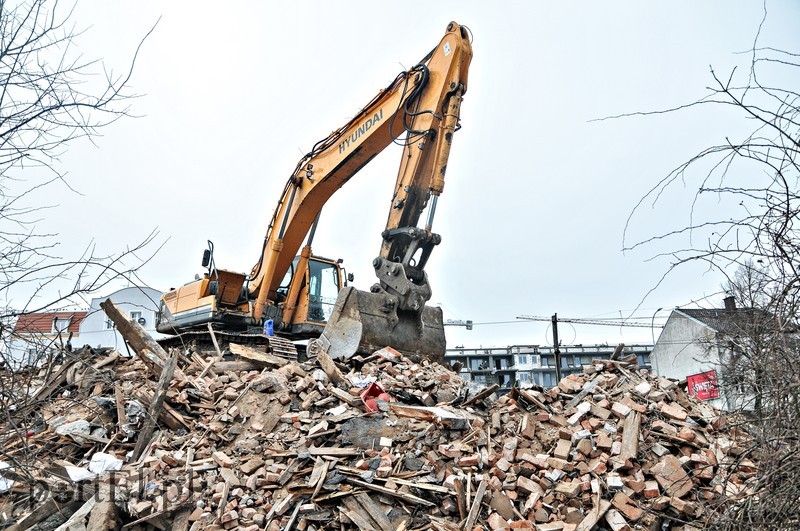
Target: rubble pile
{"type": "Point", "coordinates": [254, 441]}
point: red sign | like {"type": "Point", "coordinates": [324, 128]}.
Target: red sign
{"type": "Point", "coordinates": [704, 385]}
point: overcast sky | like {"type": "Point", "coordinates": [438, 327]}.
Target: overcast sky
{"type": "Point", "coordinates": [537, 193]}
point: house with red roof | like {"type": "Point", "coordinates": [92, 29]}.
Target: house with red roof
{"type": "Point", "coordinates": [36, 336]}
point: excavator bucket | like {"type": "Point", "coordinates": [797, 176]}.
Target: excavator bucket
{"type": "Point", "coordinates": [363, 322]}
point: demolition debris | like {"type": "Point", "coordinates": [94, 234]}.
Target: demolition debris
{"type": "Point", "coordinates": [245, 439]}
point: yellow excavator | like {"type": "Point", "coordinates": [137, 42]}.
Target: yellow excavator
{"type": "Point", "coordinates": [289, 296]}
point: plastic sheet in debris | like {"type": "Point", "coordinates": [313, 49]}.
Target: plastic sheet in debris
{"type": "Point", "coordinates": [102, 463]}
{"type": "Point", "coordinates": [5, 483]}
{"type": "Point", "coordinates": [75, 430]}
{"type": "Point", "coordinates": [99, 465]}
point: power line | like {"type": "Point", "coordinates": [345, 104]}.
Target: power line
{"type": "Point", "coordinates": [525, 320]}
{"type": "Point", "coordinates": [596, 322]}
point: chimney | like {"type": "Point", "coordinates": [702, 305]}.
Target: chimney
{"type": "Point", "coordinates": [730, 303]}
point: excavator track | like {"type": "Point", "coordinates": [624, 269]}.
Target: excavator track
{"type": "Point", "coordinates": [201, 340]}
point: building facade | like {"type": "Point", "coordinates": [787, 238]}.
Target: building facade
{"type": "Point", "coordinates": [485, 366]}
{"type": "Point", "coordinates": [694, 345]}
{"type": "Point", "coordinates": [575, 357]}
{"type": "Point", "coordinates": [141, 305]}
{"type": "Point", "coordinates": [521, 365]}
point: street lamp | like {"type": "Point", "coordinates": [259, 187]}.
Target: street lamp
{"type": "Point", "coordinates": [654, 359]}
{"type": "Point", "coordinates": [652, 326]}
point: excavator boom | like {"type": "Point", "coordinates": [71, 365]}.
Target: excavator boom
{"type": "Point", "coordinates": [420, 110]}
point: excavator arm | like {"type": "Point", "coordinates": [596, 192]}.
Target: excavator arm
{"type": "Point", "coordinates": [420, 110]}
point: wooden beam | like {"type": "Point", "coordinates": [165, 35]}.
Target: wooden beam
{"type": "Point", "coordinates": [156, 405]}
{"type": "Point", "coordinates": [408, 498]}
{"type": "Point", "coordinates": [259, 358]}
{"type": "Point", "coordinates": [374, 511]}
{"type": "Point", "coordinates": [593, 517]}
{"type": "Point", "coordinates": [234, 366]}
{"type": "Point", "coordinates": [483, 393]}
{"type": "Point", "coordinates": [207, 368]}
{"type": "Point", "coordinates": [630, 436]}
{"type": "Point", "coordinates": [334, 451]}
{"type": "Point", "coordinates": [460, 498]}
{"type": "Point", "coordinates": [476, 506]}
{"type": "Point", "coordinates": [168, 415]}
{"type": "Point", "coordinates": [136, 336]}
{"type": "Point", "coordinates": [122, 419]}
{"type": "Point", "coordinates": [327, 364]}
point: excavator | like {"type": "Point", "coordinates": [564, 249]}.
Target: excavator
{"type": "Point", "coordinates": [291, 294]}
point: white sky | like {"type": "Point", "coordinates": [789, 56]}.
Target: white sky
{"type": "Point", "coordinates": [536, 194]}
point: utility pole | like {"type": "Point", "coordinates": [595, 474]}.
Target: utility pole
{"type": "Point", "coordinates": [556, 350]}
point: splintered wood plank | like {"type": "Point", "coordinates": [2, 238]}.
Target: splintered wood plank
{"type": "Point", "coordinates": [334, 451]}
{"type": "Point", "coordinates": [408, 498]}
{"type": "Point", "coordinates": [120, 403]}
{"type": "Point", "coordinates": [593, 517]}
{"type": "Point", "coordinates": [253, 355]}
{"type": "Point", "coordinates": [483, 393]}
{"type": "Point", "coordinates": [451, 419]}
{"type": "Point", "coordinates": [137, 337]}
{"type": "Point", "coordinates": [156, 405]}
{"type": "Point", "coordinates": [327, 364]}
{"type": "Point", "coordinates": [630, 436]}
{"type": "Point", "coordinates": [476, 506]}
{"type": "Point", "coordinates": [374, 511]}
{"type": "Point", "coordinates": [361, 521]}
{"type": "Point", "coordinates": [460, 498]}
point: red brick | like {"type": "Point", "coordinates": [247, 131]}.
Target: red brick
{"type": "Point", "coordinates": [673, 412]}
{"type": "Point", "coordinates": [528, 486]}
{"type": "Point", "coordinates": [670, 475]}
{"type": "Point", "coordinates": [562, 449]}
{"type": "Point", "coordinates": [222, 459]}
{"type": "Point", "coordinates": [496, 521]}
{"type": "Point", "coordinates": [651, 489]}
{"type": "Point", "coordinates": [626, 506]}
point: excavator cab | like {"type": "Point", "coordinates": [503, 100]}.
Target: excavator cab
{"type": "Point", "coordinates": [220, 297]}
{"type": "Point", "coordinates": [306, 308]}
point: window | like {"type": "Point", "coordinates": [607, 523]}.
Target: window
{"type": "Point", "coordinates": [109, 324]}
{"type": "Point", "coordinates": [136, 317]}
{"type": "Point", "coordinates": [524, 377]}
{"type": "Point", "coordinates": [523, 359]}
{"type": "Point", "coordinates": [323, 289]}
{"type": "Point", "coordinates": [61, 324]}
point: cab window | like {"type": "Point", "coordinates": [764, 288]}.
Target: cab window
{"type": "Point", "coordinates": [323, 288]}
